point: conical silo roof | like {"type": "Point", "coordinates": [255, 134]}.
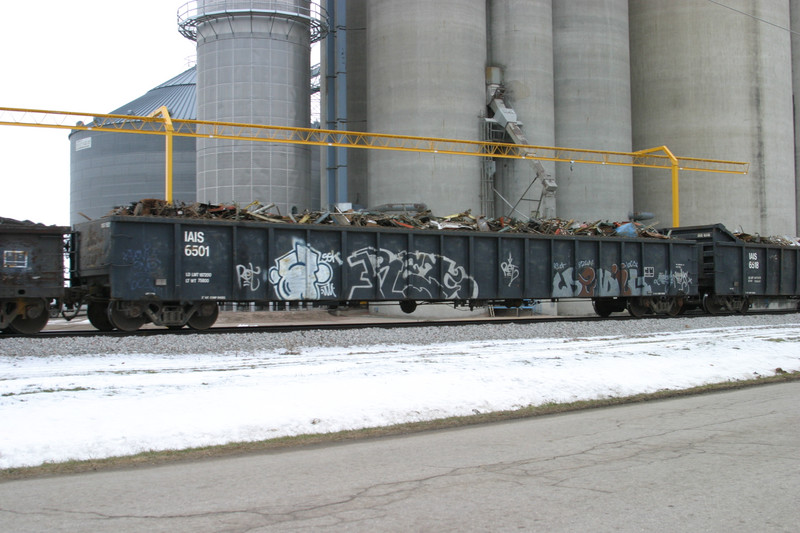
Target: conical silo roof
{"type": "Point", "coordinates": [178, 94]}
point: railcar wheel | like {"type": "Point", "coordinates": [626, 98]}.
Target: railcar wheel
{"type": "Point", "coordinates": [745, 306]}
{"type": "Point", "coordinates": [33, 321]}
{"type": "Point", "coordinates": [638, 307]}
{"type": "Point", "coordinates": [408, 306]}
{"type": "Point", "coordinates": [603, 307]}
{"type": "Point", "coordinates": [97, 312]}
{"type": "Point", "coordinates": [712, 305]}
{"type": "Point", "coordinates": [204, 317]}
{"type": "Point", "coordinates": [126, 316]}
{"type": "Point", "coordinates": [676, 308]}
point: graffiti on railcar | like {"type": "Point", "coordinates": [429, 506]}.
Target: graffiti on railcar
{"type": "Point", "coordinates": [681, 279]}
{"type": "Point", "coordinates": [305, 273]}
{"type": "Point", "coordinates": [145, 265]}
{"type": "Point", "coordinates": [248, 276]}
{"type": "Point", "coordinates": [394, 273]}
{"type": "Point", "coordinates": [585, 280]}
{"type": "Point", "coordinates": [510, 270]}
{"type": "Point", "coordinates": [302, 273]}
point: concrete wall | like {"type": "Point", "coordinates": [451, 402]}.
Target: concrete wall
{"type": "Point", "coordinates": [425, 72]}
{"type": "Point", "coordinates": [795, 26]}
{"type": "Point", "coordinates": [357, 98]}
{"type": "Point", "coordinates": [592, 105]}
{"type": "Point", "coordinates": [714, 83]}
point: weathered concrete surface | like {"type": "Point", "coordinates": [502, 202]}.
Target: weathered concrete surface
{"type": "Point", "coordinates": [718, 462]}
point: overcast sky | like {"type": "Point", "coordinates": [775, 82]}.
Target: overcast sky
{"type": "Point", "coordinates": [75, 55]}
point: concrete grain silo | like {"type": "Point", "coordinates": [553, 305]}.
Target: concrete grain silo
{"type": "Point", "coordinates": [592, 105]}
{"type": "Point", "coordinates": [426, 77]}
{"type": "Point", "coordinates": [357, 97]}
{"type": "Point", "coordinates": [795, 26]}
{"type": "Point", "coordinates": [109, 169]}
{"type": "Point", "coordinates": [716, 82]}
{"type": "Point", "coordinates": [521, 45]}
{"type": "Point", "coordinates": [253, 60]}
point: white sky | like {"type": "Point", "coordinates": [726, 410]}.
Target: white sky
{"type": "Point", "coordinates": [75, 404]}
{"type": "Point", "coordinates": [78, 55]}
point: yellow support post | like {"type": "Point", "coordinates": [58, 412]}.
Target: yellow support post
{"type": "Point", "coordinates": [676, 199]}
{"type": "Point", "coordinates": [169, 130]}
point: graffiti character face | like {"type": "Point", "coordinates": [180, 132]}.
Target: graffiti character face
{"type": "Point", "coordinates": [300, 274]}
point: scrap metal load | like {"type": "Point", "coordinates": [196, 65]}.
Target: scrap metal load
{"type": "Point", "coordinates": [13, 222]}
{"type": "Point", "coordinates": [408, 216]}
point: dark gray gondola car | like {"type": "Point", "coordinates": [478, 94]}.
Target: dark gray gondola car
{"type": "Point", "coordinates": [173, 272]}
{"type": "Point", "coordinates": [735, 272]}
{"type": "Point", "coordinates": [31, 274]}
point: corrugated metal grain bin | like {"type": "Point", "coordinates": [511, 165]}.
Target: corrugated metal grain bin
{"type": "Point", "coordinates": [189, 260]}
{"type": "Point", "coordinates": [31, 274]}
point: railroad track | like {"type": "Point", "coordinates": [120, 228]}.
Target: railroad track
{"type": "Point", "coordinates": [320, 325]}
{"type": "Point", "coordinates": [365, 324]}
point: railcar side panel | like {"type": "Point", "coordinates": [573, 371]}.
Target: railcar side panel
{"type": "Point", "coordinates": [32, 261]}
{"type": "Point", "coordinates": [733, 267]}
{"type": "Point", "coordinates": [251, 248]}
{"type": "Point", "coordinates": [755, 270]}
{"type": "Point", "coordinates": [539, 267]}
{"type": "Point", "coordinates": [142, 261]}
{"type": "Point", "coordinates": [192, 260]}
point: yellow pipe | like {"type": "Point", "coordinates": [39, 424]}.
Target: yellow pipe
{"type": "Point", "coordinates": [676, 199]}
{"type": "Point", "coordinates": [168, 168]}
{"type": "Point", "coordinates": [169, 130]}
{"type": "Point", "coordinates": [349, 139]}
{"type": "Point", "coordinates": [312, 136]}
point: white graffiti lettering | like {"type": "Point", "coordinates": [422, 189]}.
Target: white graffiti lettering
{"type": "Point", "coordinates": [409, 274]}
{"type": "Point", "coordinates": [305, 273]}
{"type": "Point", "coordinates": [247, 275]}
{"type": "Point", "coordinates": [510, 270]}
{"type": "Point", "coordinates": [681, 279]}
{"type": "Point", "coordinates": [332, 257]}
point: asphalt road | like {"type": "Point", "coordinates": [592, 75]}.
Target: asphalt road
{"type": "Point", "coordinates": [727, 461]}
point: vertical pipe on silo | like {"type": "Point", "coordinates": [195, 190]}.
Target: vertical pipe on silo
{"type": "Point", "coordinates": [795, 26]}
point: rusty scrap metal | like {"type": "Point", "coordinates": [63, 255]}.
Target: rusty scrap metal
{"type": "Point", "coordinates": [778, 240]}
{"type": "Point", "coordinates": [413, 217]}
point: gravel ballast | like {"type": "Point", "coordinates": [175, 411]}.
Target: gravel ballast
{"type": "Point", "coordinates": [293, 341]}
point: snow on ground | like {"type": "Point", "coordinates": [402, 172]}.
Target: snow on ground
{"type": "Point", "coordinates": [59, 407]}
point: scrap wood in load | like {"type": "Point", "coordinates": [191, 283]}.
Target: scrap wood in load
{"type": "Point", "coordinates": [464, 221]}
